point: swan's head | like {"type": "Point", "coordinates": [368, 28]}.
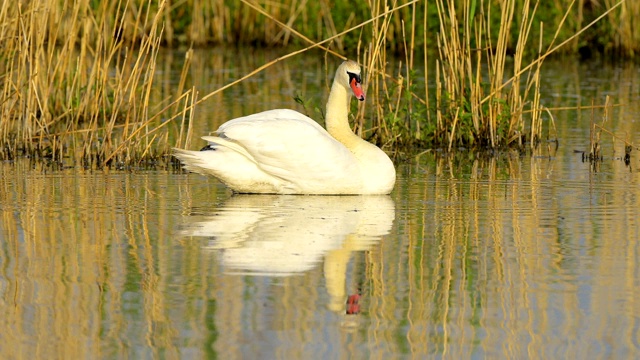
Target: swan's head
{"type": "Point", "coordinates": [349, 73]}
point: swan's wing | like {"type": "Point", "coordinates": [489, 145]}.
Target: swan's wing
{"type": "Point", "coordinates": [270, 115]}
{"type": "Point", "coordinates": [292, 147]}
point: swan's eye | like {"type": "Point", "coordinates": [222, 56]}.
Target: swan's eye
{"type": "Point", "coordinates": [353, 76]}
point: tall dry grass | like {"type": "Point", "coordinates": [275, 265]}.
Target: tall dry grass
{"type": "Point", "coordinates": [76, 81]}
{"type": "Point", "coordinates": [487, 91]}
{"type": "Point", "coordinates": [473, 105]}
{"type": "Point", "coordinates": [470, 106]}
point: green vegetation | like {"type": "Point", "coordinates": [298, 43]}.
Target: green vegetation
{"type": "Point", "coordinates": [76, 77]}
{"type": "Point", "coordinates": [202, 23]}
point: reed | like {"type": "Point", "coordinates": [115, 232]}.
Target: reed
{"type": "Point", "coordinates": [474, 108]}
{"type": "Point", "coordinates": [487, 91]}
{"type": "Point", "coordinates": [75, 87]}
{"type": "Point", "coordinates": [470, 107]}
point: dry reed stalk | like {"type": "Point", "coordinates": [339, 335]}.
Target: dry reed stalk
{"type": "Point", "coordinates": [426, 68]}
{"type": "Point", "coordinates": [516, 129]}
{"type": "Point", "coordinates": [594, 139]}
{"type": "Point", "coordinates": [181, 84]}
{"type": "Point", "coordinates": [189, 134]}
{"type": "Point", "coordinates": [536, 113]}
{"type": "Point", "coordinates": [374, 61]}
{"type": "Point", "coordinates": [289, 30]}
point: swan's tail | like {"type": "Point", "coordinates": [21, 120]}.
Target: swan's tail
{"type": "Point", "coordinates": [230, 167]}
{"type": "Point", "coordinates": [196, 161]}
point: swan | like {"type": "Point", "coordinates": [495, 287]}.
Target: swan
{"type": "Point", "coordinates": [282, 151]}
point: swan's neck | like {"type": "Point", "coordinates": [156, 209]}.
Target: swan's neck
{"type": "Point", "coordinates": [337, 117]}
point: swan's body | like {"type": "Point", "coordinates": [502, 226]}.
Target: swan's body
{"type": "Point", "coordinates": [285, 152]}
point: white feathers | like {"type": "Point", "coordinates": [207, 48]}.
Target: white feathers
{"type": "Point", "coordinates": [285, 152]}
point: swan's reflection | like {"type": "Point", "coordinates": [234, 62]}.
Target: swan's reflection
{"type": "Point", "coordinates": [280, 235]}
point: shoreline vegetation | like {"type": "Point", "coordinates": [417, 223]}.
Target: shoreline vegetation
{"type": "Point", "coordinates": [76, 77]}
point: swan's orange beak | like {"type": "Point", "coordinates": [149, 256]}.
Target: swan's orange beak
{"type": "Point", "coordinates": [357, 89]}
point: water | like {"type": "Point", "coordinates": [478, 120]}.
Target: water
{"type": "Point", "coordinates": [471, 256]}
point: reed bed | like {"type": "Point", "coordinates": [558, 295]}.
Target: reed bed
{"type": "Point", "coordinates": [476, 103]}
{"type": "Point", "coordinates": [487, 81]}
{"type": "Point", "coordinates": [202, 23]}
{"type": "Point", "coordinates": [76, 77]}
{"type": "Point", "coordinates": [74, 86]}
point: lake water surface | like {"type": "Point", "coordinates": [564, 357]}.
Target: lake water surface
{"type": "Point", "coordinates": [471, 256]}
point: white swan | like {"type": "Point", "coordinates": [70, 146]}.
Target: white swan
{"type": "Point", "coordinates": [285, 152]}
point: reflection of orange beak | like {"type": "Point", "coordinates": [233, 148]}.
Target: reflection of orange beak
{"type": "Point", "coordinates": [357, 89]}
{"type": "Point", "coordinates": [353, 308]}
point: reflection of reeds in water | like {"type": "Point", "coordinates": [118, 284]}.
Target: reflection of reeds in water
{"type": "Point", "coordinates": [92, 266]}
{"type": "Point", "coordinates": [608, 118]}
{"type": "Point", "coordinates": [480, 260]}
{"type": "Point", "coordinates": [85, 264]}
{"type": "Point", "coordinates": [595, 155]}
